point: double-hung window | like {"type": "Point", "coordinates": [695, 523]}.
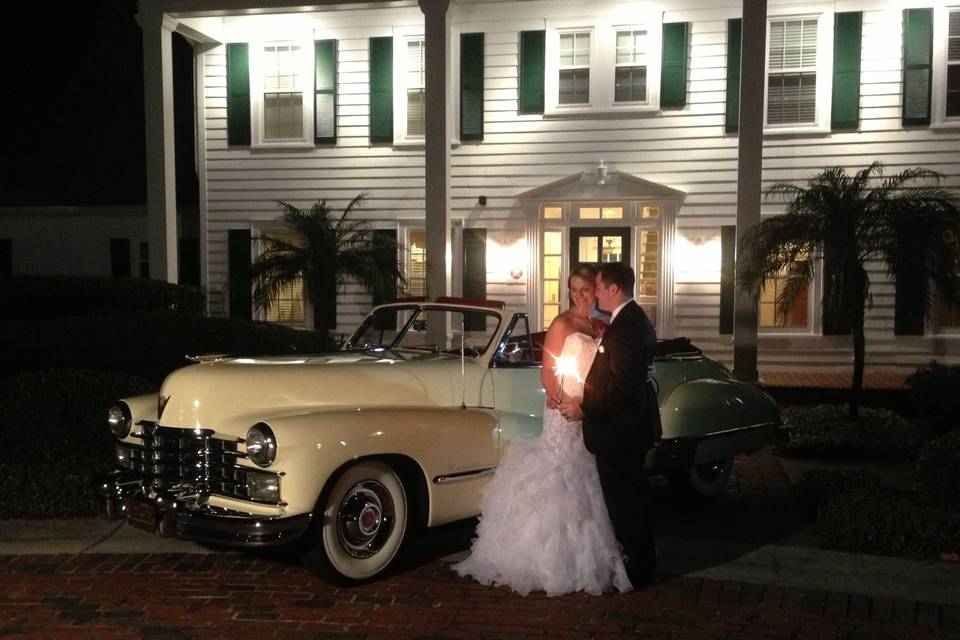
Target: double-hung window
{"type": "Point", "coordinates": [630, 80]}
{"type": "Point", "coordinates": [799, 61]}
{"type": "Point", "coordinates": [409, 85]}
{"type": "Point", "coordinates": [574, 68]}
{"type": "Point", "coordinates": [282, 79]}
{"type": "Point", "coordinates": [416, 85]}
{"type": "Point", "coordinates": [604, 65]}
{"type": "Point", "coordinates": [946, 66]}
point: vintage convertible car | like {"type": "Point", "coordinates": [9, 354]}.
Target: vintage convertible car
{"type": "Point", "coordinates": [348, 452]}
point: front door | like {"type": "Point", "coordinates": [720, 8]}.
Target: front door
{"type": "Point", "coordinates": [599, 244]}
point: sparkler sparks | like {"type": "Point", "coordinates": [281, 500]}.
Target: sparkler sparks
{"type": "Point", "coordinates": [565, 366]}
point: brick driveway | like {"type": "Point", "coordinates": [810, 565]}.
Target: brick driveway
{"type": "Point", "coordinates": [229, 595]}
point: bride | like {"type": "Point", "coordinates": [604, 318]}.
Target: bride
{"type": "Point", "coordinates": [544, 524]}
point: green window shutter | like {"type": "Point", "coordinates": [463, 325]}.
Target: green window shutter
{"type": "Point", "coordinates": [386, 248]}
{"type": "Point", "coordinates": [917, 59]}
{"type": "Point", "coordinates": [120, 257]}
{"type": "Point", "coordinates": [910, 302]}
{"type": "Point", "coordinates": [381, 89]}
{"type": "Point", "coordinates": [732, 119]}
{"type": "Point", "coordinates": [239, 280]}
{"type": "Point", "coordinates": [475, 274]}
{"type": "Point", "coordinates": [532, 52]}
{"type": "Point", "coordinates": [6, 256]}
{"type": "Point", "coordinates": [728, 257]}
{"type": "Point", "coordinates": [845, 106]}
{"type": "Point", "coordinates": [471, 86]}
{"type": "Point", "coordinates": [238, 94]}
{"type": "Point", "coordinates": [835, 313]}
{"type": "Point", "coordinates": [325, 91]}
{"type": "Point", "coordinates": [673, 69]}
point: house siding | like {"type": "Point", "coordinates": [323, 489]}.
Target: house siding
{"type": "Point", "coordinates": [684, 149]}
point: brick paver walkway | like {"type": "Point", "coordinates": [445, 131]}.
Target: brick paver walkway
{"type": "Point", "coordinates": [231, 595]}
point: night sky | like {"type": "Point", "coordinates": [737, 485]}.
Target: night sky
{"type": "Point", "coordinates": [74, 106]}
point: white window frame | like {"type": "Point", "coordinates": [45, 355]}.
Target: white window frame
{"type": "Point", "coordinates": [938, 97]}
{"type": "Point", "coordinates": [402, 36]}
{"type": "Point", "coordinates": [616, 65]}
{"type": "Point", "coordinates": [821, 123]}
{"type": "Point", "coordinates": [305, 72]}
{"type": "Point", "coordinates": [603, 60]}
{"type": "Point", "coordinates": [814, 300]}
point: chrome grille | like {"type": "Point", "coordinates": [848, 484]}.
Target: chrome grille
{"type": "Point", "coordinates": [185, 460]}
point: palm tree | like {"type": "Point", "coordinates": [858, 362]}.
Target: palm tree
{"type": "Point", "coordinates": [328, 250]}
{"type": "Point", "coordinates": [908, 221]}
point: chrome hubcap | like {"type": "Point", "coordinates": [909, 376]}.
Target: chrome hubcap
{"type": "Point", "coordinates": [365, 519]}
{"type": "Point", "coordinates": [711, 472]}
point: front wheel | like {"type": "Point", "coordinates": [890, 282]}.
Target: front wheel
{"type": "Point", "coordinates": [703, 481]}
{"type": "Point", "coordinates": [363, 519]}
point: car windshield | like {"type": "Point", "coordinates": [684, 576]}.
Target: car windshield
{"type": "Point", "coordinates": [430, 329]}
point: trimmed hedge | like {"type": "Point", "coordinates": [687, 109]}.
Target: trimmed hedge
{"type": "Point", "coordinates": [825, 432]}
{"type": "Point", "coordinates": [26, 297]}
{"type": "Point", "coordinates": [149, 344]}
{"type": "Point", "coordinates": [875, 522]}
{"type": "Point", "coordinates": [56, 439]}
{"type": "Point", "coordinates": [937, 472]}
{"type": "Point", "coordinates": [817, 487]}
{"type": "Point", "coordinates": [933, 391]}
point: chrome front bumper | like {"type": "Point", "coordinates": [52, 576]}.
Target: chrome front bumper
{"type": "Point", "coordinates": [184, 517]}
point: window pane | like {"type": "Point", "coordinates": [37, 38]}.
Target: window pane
{"type": "Point", "coordinates": [550, 311]}
{"type": "Point", "coordinates": [589, 213]}
{"type": "Point", "coordinates": [612, 249]}
{"type": "Point", "coordinates": [417, 268]}
{"type": "Point", "coordinates": [566, 49]}
{"type": "Point", "coordinates": [650, 212]}
{"type": "Point", "coordinates": [588, 250]}
{"type": "Point", "coordinates": [953, 90]}
{"type": "Point", "coordinates": [415, 122]}
{"type": "Point", "coordinates": [574, 86]}
{"type": "Point", "coordinates": [581, 50]}
{"type": "Point", "coordinates": [552, 213]}
{"type": "Point", "coordinates": [792, 98]}
{"type": "Point", "coordinates": [287, 307]}
{"type": "Point", "coordinates": [649, 263]}
{"type": "Point", "coordinates": [551, 267]}
{"type": "Point", "coordinates": [630, 84]}
{"type": "Point", "coordinates": [282, 115]}
{"type": "Point", "coordinates": [953, 39]}
{"type": "Point", "coordinates": [793, 45]}
{"type": "Point", "coordinates": [796, 316]}
{"type": "Point", "coordinates": [551, 242]}
{"type": "Point", "coordinates": [551, 291]}
{"type": "Point", "coordinates": [612, 213]}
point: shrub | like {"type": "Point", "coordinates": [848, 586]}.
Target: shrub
{"type": "Point", "coordinates": [817, 487]}
{"type": "Point", "coordinates": [56, 439]}
{"type": "Point", "coordinates": [874, 522]}
{"type": "Point", "coordinates": [933, 394]}
{"type": "Point", "coordinates": [148, 345]}
{"type": "Point", "coordinates": [26, 297]}
{"type": "Point", "coordinates": [825, 431]}
{"type": "Point", "coordinates": [937, 472]}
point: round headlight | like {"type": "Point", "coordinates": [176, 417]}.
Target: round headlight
{"type": "Point", "coordinates": [261, 445]}
{"type": "Point", "coordinates": [119, 420]}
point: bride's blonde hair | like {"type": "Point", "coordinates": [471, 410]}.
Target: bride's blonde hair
{"type": "Point", "coordinates": [583, 270]}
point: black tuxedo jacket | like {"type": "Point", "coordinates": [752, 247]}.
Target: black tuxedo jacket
{"type": "Point", "coordinates": [621, 414]}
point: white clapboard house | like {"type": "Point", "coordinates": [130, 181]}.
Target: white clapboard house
{"type": "Point", "coordinates": [565, 131]}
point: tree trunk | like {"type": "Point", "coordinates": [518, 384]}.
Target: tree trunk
{"type": "Point", "coordinates": [859, 355]}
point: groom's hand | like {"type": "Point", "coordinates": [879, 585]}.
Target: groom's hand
{"type": "Point", "coordinates": [552, 403]}
{"type": "Point", "coordinates": [571, 410]}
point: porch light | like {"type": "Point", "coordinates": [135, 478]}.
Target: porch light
{"type": "Point", "coordinates": [697, 259]}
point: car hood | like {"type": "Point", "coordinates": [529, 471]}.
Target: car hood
{"type": "Point", "coordinates": [214, 394]}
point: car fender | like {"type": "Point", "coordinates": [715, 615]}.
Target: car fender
{"type": "Point", "coordinates": [708, 405]}
{"type": "Point", "coordinates": [454, 449]}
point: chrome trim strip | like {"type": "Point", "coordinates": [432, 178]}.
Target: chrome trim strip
{"type": "Point", "coordinates": [447, 478]}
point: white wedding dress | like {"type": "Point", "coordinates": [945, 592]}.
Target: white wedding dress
{"type": "Point", "coordinates": [544, 524]}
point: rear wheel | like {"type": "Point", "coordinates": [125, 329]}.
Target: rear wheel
{"type": "Point", "coordinates": [362, 522]}
{"type": "Point", "coordinates": [703, 481]}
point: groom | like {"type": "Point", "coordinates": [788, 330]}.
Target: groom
{"type": "Point", "coordinates": [621, 418]}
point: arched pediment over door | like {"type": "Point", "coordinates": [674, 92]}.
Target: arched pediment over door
{"type": "Point", "coordinates": [596, 216]}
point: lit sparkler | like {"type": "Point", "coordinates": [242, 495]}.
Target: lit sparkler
{"type": "Point", "coordinates": [564, 366]}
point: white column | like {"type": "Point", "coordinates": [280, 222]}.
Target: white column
{"type": "Point", "coordinates": [437, 148]}
{"type": "Point", "coordinates": [161, 170]}
{"type": "Point", "coordinates": [749, 171]}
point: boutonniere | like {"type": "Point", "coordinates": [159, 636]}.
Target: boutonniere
{"type": "Point", "coordinates": [601, 349]}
